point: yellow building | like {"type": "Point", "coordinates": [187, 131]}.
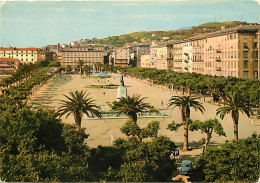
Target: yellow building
{"type": "Point", "coordinates": [71, 55]}
{"type": "Point", "coordinates": [164, 57]}
{"type": "Point", "coordinates": [145, 61]}
{"type": "Point", "coordinates": [177, 56]}
{"type": "Point", "coordinates": [24, 55]}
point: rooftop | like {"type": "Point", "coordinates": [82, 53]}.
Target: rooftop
{"type": "Point", "coordinates": [22, 49]}
{"type": "Point", "coordinates": [8, 59]}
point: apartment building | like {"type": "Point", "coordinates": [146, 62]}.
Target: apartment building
{"type": "Point", "coordinates": [198, 55]}
{"type": "Point", "coordinates": [87, 53]}
{"type": "Point", "coordinates": [44, 54]}
{"type": "Point", "coordinates": [24, 55]}
{"type": "Point", "coordinates": [232, 52]}
{"type": "Point", "coordinates": [8, 66]}
{"type": "Point", "coordinates": [177, 56]}
{"type": "Point", "coordinates": [153, 50]}
{"type": "Point", "coordinates": [228, 52]}
{"type": "Point", "coordinates": [145, 61]}
{"type": "Point", "coordinates": [187, 56]}
{"type": "Point", "coordinates": [164, 57]}
{"type": "Point", "coordinates": [119, 57]}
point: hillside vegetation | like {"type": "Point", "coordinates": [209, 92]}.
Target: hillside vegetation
{"type": "Point", "coordinates": [149, 36]}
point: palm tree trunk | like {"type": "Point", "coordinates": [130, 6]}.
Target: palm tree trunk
{"type": "Point", "coordinates": [78, 118]}
{"type": "Point", "coordinates": [186, 138]}
{"type": "Point", "coordinates": [186, 132]}
{"type": "Point", "coordinates": [235, 124]}
{"type": "Point", "coordinates": [133, 117]}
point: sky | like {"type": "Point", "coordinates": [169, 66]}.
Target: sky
{"type": "Point", "coordinates": [39, 23]}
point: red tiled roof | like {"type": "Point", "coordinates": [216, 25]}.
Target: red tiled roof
{"type": "Point", "coordinates": [23, 49]}
{"type": "Point", "coordinates": [9, 59]}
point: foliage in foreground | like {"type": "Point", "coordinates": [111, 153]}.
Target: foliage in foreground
{"type": "Point", "coordinates": [130, 160]}
{"type": "Point", "coordinates": [233, 161]}
{"type": "Point", "coordinates": [35, 146]}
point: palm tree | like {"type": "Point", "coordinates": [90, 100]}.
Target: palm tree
{"type": "Point", "coordinates": [80, 65]}
{"type": "Point", "coordinates": [235, 103]}
{"type": "Point", "coordinates": [185, 103]}
{"type": "Point", "coordinates": [77, 104]}
{"type": "Point", "coordinates": [68, 69]}
{"type": "Point", "coordinates": [87, 70]}
{"type": "Point", "coordinates": [130, 106]}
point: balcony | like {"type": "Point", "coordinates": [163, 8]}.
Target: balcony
{"type": "Point", "coordinates": [218, 59]}
{"type": "Point", "coordinates": [218, 50]}
{"type": "Point", "coordinates": [186, 61]}
{"type": "Point", "coordinates": [186, 68]}
{"type": "Point", "coordinates": [218, 68]}
{"type": "Point", "coordinates": [187, 54]}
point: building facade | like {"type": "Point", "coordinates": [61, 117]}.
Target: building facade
{"type": "Point", "coordinates": [145, 61]}
{"type": "Point", "coordinates": [164, 57]}
{"type": "Point", "coordinates": [71, 55]}
{"type": "Point", "coordinates": [141, 49]}
{"type": "Point", "coordinates": [24, 55]}
{"type": "Point", "coordinates": [230, 52]}
{"type": "Point", "coordinates": [8, 66]}
{"type": "Point", "coordinates": [153, 50]}
{"type": "Point", "coordinates": [177, 57]}
{"type": "Point", "coordinates": [119, 57]}
{"type": "Point", "coordinates": [198, 55]}
{"type": "Point", "coordinates": [187, 56]}
{"type": "Point", "coordinates": [233, 52]}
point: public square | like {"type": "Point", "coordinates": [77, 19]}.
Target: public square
{"type": "Point", "coordinates": [103, 131]}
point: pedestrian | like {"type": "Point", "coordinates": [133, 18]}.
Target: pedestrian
{"type": "Point", "coordinates": [104, 93]}
{"type": "Point", "coordinates": [252, 120]}
{"type": "Point", "coordinates": [161, 102]}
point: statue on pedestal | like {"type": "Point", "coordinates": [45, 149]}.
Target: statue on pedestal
{"type": "Point", "coordinates": [121, 91]}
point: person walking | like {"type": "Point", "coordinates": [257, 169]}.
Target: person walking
{"type": "Point", "coordinates": [161, 102]}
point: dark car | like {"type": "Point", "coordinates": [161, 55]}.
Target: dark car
{"type": "Point", "coordinates": [186, 167]}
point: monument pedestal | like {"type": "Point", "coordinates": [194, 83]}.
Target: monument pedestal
{"type": "Point", "coordinates": [121, 92]}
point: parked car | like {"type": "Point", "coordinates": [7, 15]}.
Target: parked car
{"type": "Point", "coordinates": [186, 167]}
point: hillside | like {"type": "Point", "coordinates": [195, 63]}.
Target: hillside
{"type": "Point", "coordinates": [149, 36]}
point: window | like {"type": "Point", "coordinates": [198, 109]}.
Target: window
{"type": "Point", "coordinates": [245, 36]}
{"type": "Point", "coordinates": [256, 64]}
{"type": "Point", "coordinates": [255, 45]}
{"type": "Point", "coordinates": [256, 54]}
{"type": "Point", "coordinates": [245, 46]}
{"type": "Point", "coordinates": [245, 74]}
{"type": "Point", "coordinates": [256, 74]}
{"type": "Point", "coordinates": [245, 64]}
{"type": "Point", "coordinates": [245, 54]}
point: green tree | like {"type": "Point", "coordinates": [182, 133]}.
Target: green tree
{"type": "Point", "coordinates": [236, 161]}
{"type": "Point", "coordinates": [235, 103]}
{"type": "Point", "coordinates": [132, 129]}
{"type": "Point", "coordinates": [146, 161]}
{"type": "Point", "coordinates": [78, 104]}
{"type": "Point", "coordinates": [130, 106]}
{"type": "Point", "coordinates": [185, 103]}
{"type": "Point", "coordinates": [36, 146]}
{"type": "Point", "coordinates": [208, 127]}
